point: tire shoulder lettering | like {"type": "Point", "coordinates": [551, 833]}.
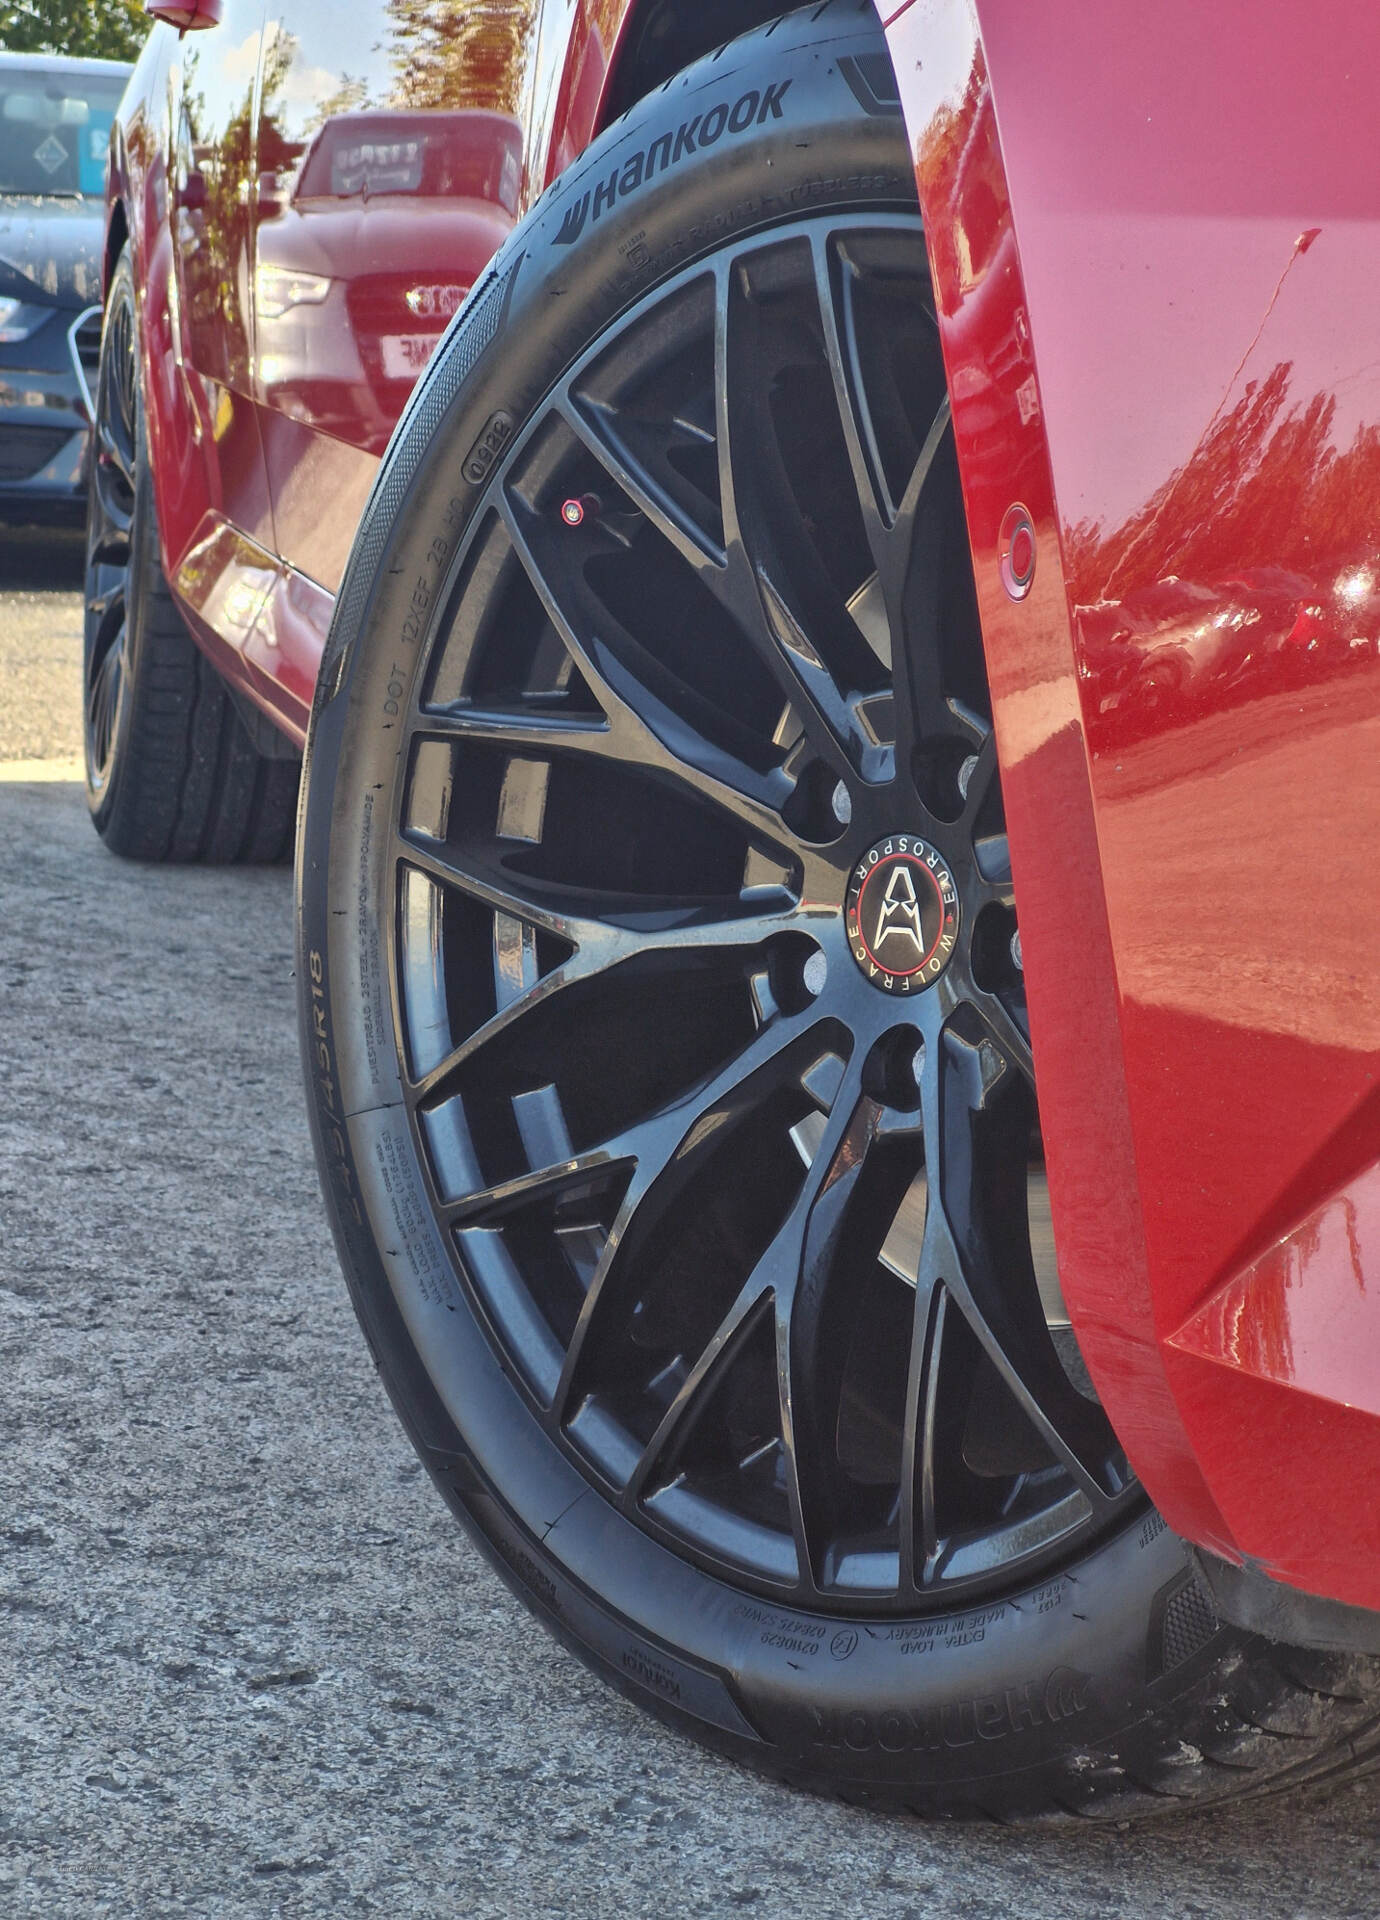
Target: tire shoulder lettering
{"type": "Point", "coordinates": [755, 108]}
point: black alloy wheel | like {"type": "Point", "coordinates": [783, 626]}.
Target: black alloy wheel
{"type": "Point", "coordinates": [662, 1003]}
{"type": "Point", "coordinates": [705, 944]}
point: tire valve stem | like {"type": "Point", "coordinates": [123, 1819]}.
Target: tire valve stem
{"type": "Point", "coordinates": [579, 508]}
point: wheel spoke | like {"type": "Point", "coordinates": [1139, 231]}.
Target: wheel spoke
{"type": "Point", "coordinates": [110, 513]}
{"type": "Point", "coordinates": [504, 894]}
{"type": "Point", "coordinates": [1007, 1033]}
{"type": "Point", "coordinates": [597, 429]}
{"type": "Point", "coordinates": [1006, 1318]}
{"type": "Point", "coordinates": [919, 1526]}
{"type": "Point", "coordinates": [800, 1263]}
{"type": "Point", "coordinates": [624, 927]}
{"type": "Point", "coordinates": [489, 1205]}
{"type": "Point", "coordinates": [795, 658]}
{"type": "Point", "coordinates": [747, 593]}
{"type": "Point", "coordinates": [102, 595]}
{"type": "Point", "coordinates": [113, 456]}
{"type": "Point", "coordinates": [641, 728]}
{"type": "Point", "coordinates": [900, 533]}
{"type": "Point", "coordinates": [793, 1274]}
{"type": "Point", "coordinates": [114, 450]}
{"type": "Point", "coordinates": [912, 577]}
{"type": "Point", "coordinates": [669, 1147]}
{"type": "Point", "coordinates": [103, 703]}
{"type": "Point", "coordinates": [116, 404]}
{"type": "Point", "coordinates": [600, 947]}
{"type": "Point", "coordinates": [535, 730]}
{"type": "Point", "coordinates": [726, 1343]}
{"type": "Point", "coordinates": [855, 417]}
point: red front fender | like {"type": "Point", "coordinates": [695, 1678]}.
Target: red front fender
{"type": "Point", "coordinates": [1155, 235]}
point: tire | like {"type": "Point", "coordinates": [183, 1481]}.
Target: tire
{"type": "Point", "coordinates": [171, 772]}
{"type": "Point", "coordinates": [788, 1606]}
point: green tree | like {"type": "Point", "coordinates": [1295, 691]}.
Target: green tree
{"type": "Point", "coordinates": [101, 29]}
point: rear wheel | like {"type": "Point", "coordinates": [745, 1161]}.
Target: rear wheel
{"type": "Point", "coordinates": [663, 1005]}
{"type": "Point", "coordinates": [171, 772]}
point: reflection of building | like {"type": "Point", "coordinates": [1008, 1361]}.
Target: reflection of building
{"type": "Point", "coordinates": [351, 300]}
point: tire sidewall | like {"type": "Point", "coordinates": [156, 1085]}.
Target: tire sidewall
{"type": "Point", "coordinates": [947, 1701]}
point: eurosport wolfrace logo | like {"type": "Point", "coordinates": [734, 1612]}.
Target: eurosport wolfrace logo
{"type": "Point", "coordinates": [901, 914]}
{"type": "Point", "coordinates": [752, 109]}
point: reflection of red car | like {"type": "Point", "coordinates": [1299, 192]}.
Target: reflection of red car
{"type": "Point", "coordinates": [763, 595]}
{"type": "Point", "coordinates": [1177, 650]}
{"type": "Point", "coordinates": [347, 317]}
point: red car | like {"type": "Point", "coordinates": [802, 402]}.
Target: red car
{"type": "Point", "coordinates": [866, 478]}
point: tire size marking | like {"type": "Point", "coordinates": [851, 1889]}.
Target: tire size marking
{"type": "Point", "coordinates": [782, 1631]}
{"type": "Point", "coordinates": [371, 1006]}
{"type": "Point", "coordinates": [328, 1094]}
{"type": "Point", "coordinates": [423, 592]}
{"type": "Point", "coordinates": [423, 600]}
{"type": "Point", "coordinates": [417, 1242]}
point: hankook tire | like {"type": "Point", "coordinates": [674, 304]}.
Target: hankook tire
{"type": "Point", "coordinates": [703, 1255]}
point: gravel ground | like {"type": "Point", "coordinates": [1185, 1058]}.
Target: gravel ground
{"type": "Point", "coordinates": [248, 1665]}
{"type": "Point", "coordinates": [40, 646]}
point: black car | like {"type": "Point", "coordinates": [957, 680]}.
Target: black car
{"type": "Point", "coordinates": [55, 119]}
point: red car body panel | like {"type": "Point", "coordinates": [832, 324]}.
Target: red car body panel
{"type": "Point", "coordinates": [1156, 236]}
{"type": "Point", "coordinates": [1155, 241]}
{"type": "Point", "coordinates": [284, 210]}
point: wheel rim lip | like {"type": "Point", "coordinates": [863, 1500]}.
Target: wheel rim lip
{"type": "Point", "coordinates": [104, 713]}
{"type": "Point", "coordinates": [105, 643]}
{"type": "Point", "coordinates": [824, 921]}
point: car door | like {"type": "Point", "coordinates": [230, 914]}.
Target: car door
{"type": "Point", "coordinates": [390, 169]}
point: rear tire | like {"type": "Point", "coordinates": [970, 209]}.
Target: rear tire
{"type": "Point", "coordinates": [171, 772]}
{"type": "Point", "coordinates": [1089, 1675]}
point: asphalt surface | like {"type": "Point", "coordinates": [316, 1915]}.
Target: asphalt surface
{"type": "Point", "coordinates": [248, 1664]}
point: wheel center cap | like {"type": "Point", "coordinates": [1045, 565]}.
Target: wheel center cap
{"type": "Point", "coordinates": [901, 914]}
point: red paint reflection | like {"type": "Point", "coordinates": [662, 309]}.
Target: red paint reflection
{"type": "Point", "coordinates": [1165, 637]}
{"type": "Point", "coordinates": [1286, 1319]}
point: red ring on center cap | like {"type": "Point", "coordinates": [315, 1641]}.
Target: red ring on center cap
{"type": "Point", "coordinates": [928, 911]}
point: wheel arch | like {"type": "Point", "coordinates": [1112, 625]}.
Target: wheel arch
{"type": "Point", "coordinates": [660, 37]}
{"type": "Point", "coordinates": [612, 61]}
